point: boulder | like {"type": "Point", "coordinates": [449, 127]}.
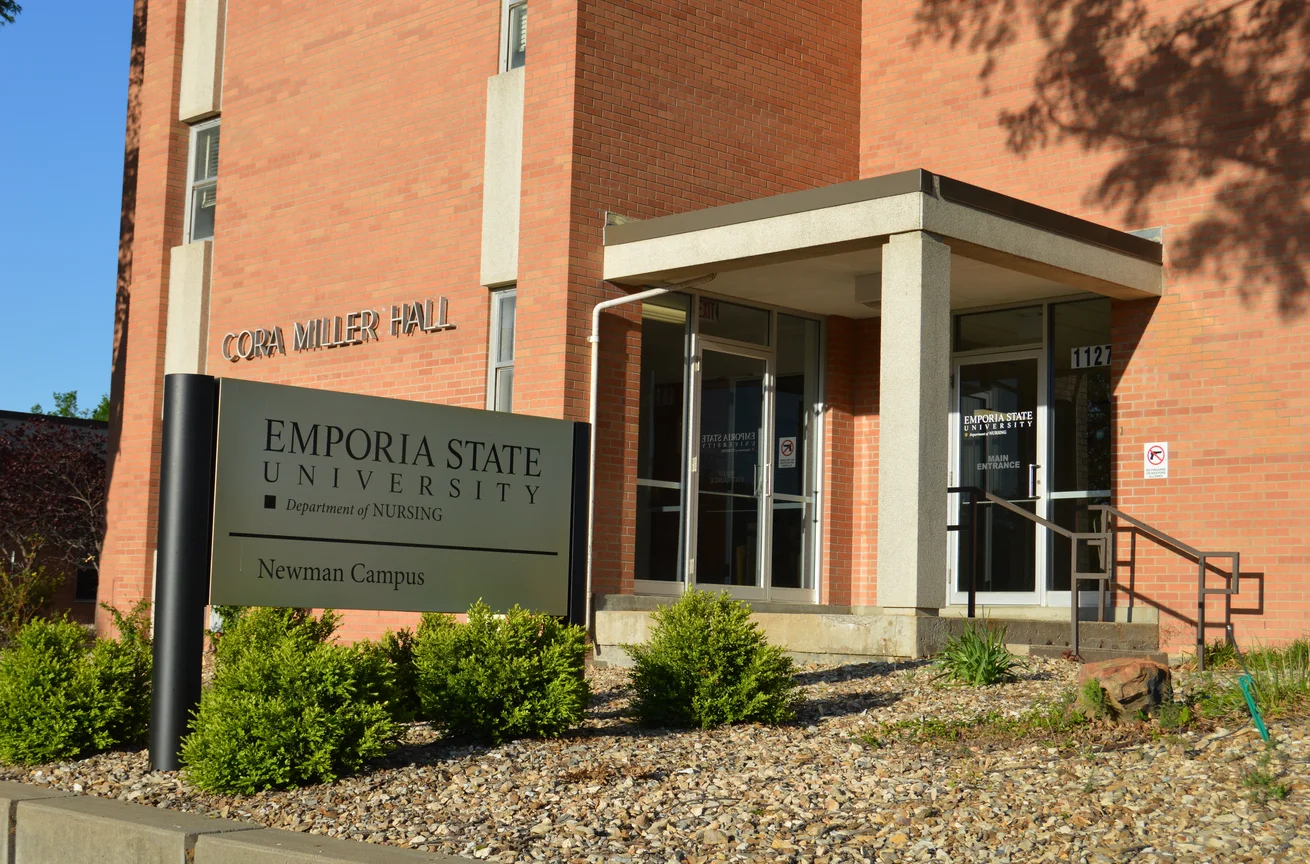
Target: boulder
{"type": "Point", "coordinates": [1131, 686]}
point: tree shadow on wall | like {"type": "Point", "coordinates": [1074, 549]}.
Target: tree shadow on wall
{"type": "Point", "coordinates": [1209, 90]}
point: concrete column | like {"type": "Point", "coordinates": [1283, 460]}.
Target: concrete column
{"type": "Point", "coordinates": [913, 411]}
{"type": "Point", "coordinates": [187, 339]}
{"type": "Point", "coordinates": [502, 178]}
{"type": "Point", "coordinates": [201, 93]}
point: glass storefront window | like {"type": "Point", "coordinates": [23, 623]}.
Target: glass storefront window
{"type": "Point", "coordinates": [1080, 426]}
{"type": "Point", "coordinates": [1004, 328]}
{"type": "Point", "coordinates": [723, 320]}
{"type": "Point", "coordinates": [796, 390]}
{"type": "Point", "coordinates": [1080, 395]}
{"type": "Point", "coordinates": [660, 437]}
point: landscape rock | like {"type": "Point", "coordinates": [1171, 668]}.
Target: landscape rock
{"type": "Point", "coordinates": [1132, 686]}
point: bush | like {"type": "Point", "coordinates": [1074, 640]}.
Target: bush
{"type": "Point", "coordinates": [24, 592]}
{"type": "Point", "coordinates": [977, 657]}
{"type": "Point", "coordinates": [500, 677]}
{"type": "Point", "coordinates": [288, 707]}
{"type": "Point", "coordinates": [398, 650]}
{"type": "Point", "coordinates": [707, 664]}
{"type": "Point", "coordinates": [59, 700]}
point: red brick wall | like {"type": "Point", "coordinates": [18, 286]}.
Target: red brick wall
{"type": "Point", "coordinates": [1217, 367]}
{"type": "Point", "coordinates": [678, 106]}
{"type": "Point", "coordinates": [351, 178]}
{"type": "Point", "coordinates": [155, 162]}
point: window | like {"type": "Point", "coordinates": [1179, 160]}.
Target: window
{"type": "Point", "coordinates": [203, 182]}
{"type": "Point", "coordinates": [514, 35]}
{"type": "Point", "coordinates": [660, 437]}
{"type": "Point", "coordinates": [86, 584]}
{"type": "Point", "coordinates": [500, 372]}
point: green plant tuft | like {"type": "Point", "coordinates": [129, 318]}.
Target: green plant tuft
{"type": "Point", "coordinates": [977, 657]}
{"type": "Point", "coordinates": [288, 707]}
{"type": "Point", "coordinates": [498, 677]}
{"type": "Point", "coordinates": [63, 695]}
{"type": "Point", "coordinates": [1263, 781]}
{"type": "Point", "coordinates": [1175, 715]}
{"type": "Point", "coordinates": [1092, 701]}
{"type": "Point", "coordinates": [707, 664]}
{"type": "Point", "coordinates": [1280, 680]}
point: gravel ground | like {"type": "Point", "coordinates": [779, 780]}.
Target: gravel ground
{"type": "Point", "coordinates": [807, 792]}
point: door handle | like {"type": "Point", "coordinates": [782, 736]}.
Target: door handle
{"type": "Point", "coordinates": [1032, 479]}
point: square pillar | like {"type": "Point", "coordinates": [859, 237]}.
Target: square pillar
{"type": "Point", "coordinates": [913, 410]}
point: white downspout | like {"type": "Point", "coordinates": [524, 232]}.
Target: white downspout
{"type": "Point", "coordinates": [594, 339]}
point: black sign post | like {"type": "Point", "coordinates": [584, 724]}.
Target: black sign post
{"type": "Point", "coordinates": [186, 495]}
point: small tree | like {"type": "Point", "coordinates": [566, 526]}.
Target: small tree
{"type": "Point", "coordinates": [52, 500]}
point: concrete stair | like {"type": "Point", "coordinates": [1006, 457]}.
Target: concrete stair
{"type": "Point", "coordinates": [1098, 640]}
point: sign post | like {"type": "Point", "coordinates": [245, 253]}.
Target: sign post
{"type": "Point", "coordinates": [186, 481]}
{"type": "Point", "coordinates": [287, 496]}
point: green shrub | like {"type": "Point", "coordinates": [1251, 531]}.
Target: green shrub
{"type": "Point", "coordinates": [288, 707]}
{"type": "Point", "coordinates": [707, 664]}
{"type": "Point", "coordinates": [499, 677]}
{"type": "Point", "coordinates": [977, 657]}
{"type": "Point", "coordinates": [398, 650]}
{"type": "Point", "coordinates": [62, 698]}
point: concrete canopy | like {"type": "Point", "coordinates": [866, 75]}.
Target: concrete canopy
{"type": "Point", "coordinates": [821, 250]}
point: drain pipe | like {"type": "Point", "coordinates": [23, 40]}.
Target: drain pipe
{"type": "Point", "coordinates": [594, 339]}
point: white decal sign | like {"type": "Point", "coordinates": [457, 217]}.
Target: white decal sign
{"type": "Point", "coordinates": [983, 422]}
{"type": "Point", "coordinates": [1155, 461]}
{"type": "Point", "coordinates": [787, 452]}
{"type": "Point", "coordinates": [338, 500]}
{"type": "Point", "coordinates": [1090, 355]}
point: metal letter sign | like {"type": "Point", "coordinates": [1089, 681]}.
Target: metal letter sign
{"type": "Point", "coordinates": [1155, 461]}
{"type": "Point", "coordinates": [337, 500]}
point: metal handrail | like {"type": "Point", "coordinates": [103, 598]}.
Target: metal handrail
{"type": "Point", "coordinates": [1104, 539]}
{"type": "Point", "coordinates": [1233, 581]}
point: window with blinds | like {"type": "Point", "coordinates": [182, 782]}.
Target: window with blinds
{"type": "Point", "coordinates": [515, 28]}
{"type": "Point", "coordinates": [500, 345]}
{"type": "Point", "coordinates": [203, 182]}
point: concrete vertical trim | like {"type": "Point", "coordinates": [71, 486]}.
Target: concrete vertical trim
{"type": "Point", "coordinates": [187, 338]}
{"type": "Point", "coordinates": [202, 60]}
{"type": "Point", "coordinates": [502, 178]}
{"type": "Point", "coordinates": [914, 379]}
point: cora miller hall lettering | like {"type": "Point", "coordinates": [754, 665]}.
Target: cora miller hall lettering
{"type": "Point", "coordinates": [337, 331]}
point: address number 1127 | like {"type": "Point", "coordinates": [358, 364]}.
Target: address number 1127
{"type": "Point", "coordinates": [1091, 355]}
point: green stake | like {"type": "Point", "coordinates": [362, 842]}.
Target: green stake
{"type": "Point", "coordinates": [1245, 681]}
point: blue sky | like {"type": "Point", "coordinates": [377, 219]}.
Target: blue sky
{"type": "Point", "coordinates": [63, 103]}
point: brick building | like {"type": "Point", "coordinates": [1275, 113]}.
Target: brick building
{"type": "Point", "coordinates": [892, 250]}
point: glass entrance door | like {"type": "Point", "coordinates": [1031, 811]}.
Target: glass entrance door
{"type": "Point", "coordinates": [998, 429]}
{"type": "Point", "coordinates": [731, 467]}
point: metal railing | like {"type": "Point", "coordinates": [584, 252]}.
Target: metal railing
{"type": "Point", "coordinates": [980, 497]}
{"type": "Point", "coordinates": [1232, 579]}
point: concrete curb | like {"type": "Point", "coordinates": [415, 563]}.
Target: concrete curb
{"type": "Point", "coordinates": [48, 826]}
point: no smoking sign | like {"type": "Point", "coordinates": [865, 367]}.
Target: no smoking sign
{"type": "Point", "coordinates": [787, 452]}
{"type": "Point", "coordinates": [1155, 461]}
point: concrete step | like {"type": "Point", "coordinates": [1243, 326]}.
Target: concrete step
{"type": "Point", "coordinates": [1095, 655]}
{"type": "Point", "coordinates": [1109, 635]}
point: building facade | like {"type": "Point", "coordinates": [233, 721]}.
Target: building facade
{"type": "Point", "coordinates": [883, 254]}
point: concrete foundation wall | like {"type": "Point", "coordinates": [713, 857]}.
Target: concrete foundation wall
{"type": "Point", "coordinates": [47, 826]}
{"type": "Point", "coordinates": [845, 635]}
